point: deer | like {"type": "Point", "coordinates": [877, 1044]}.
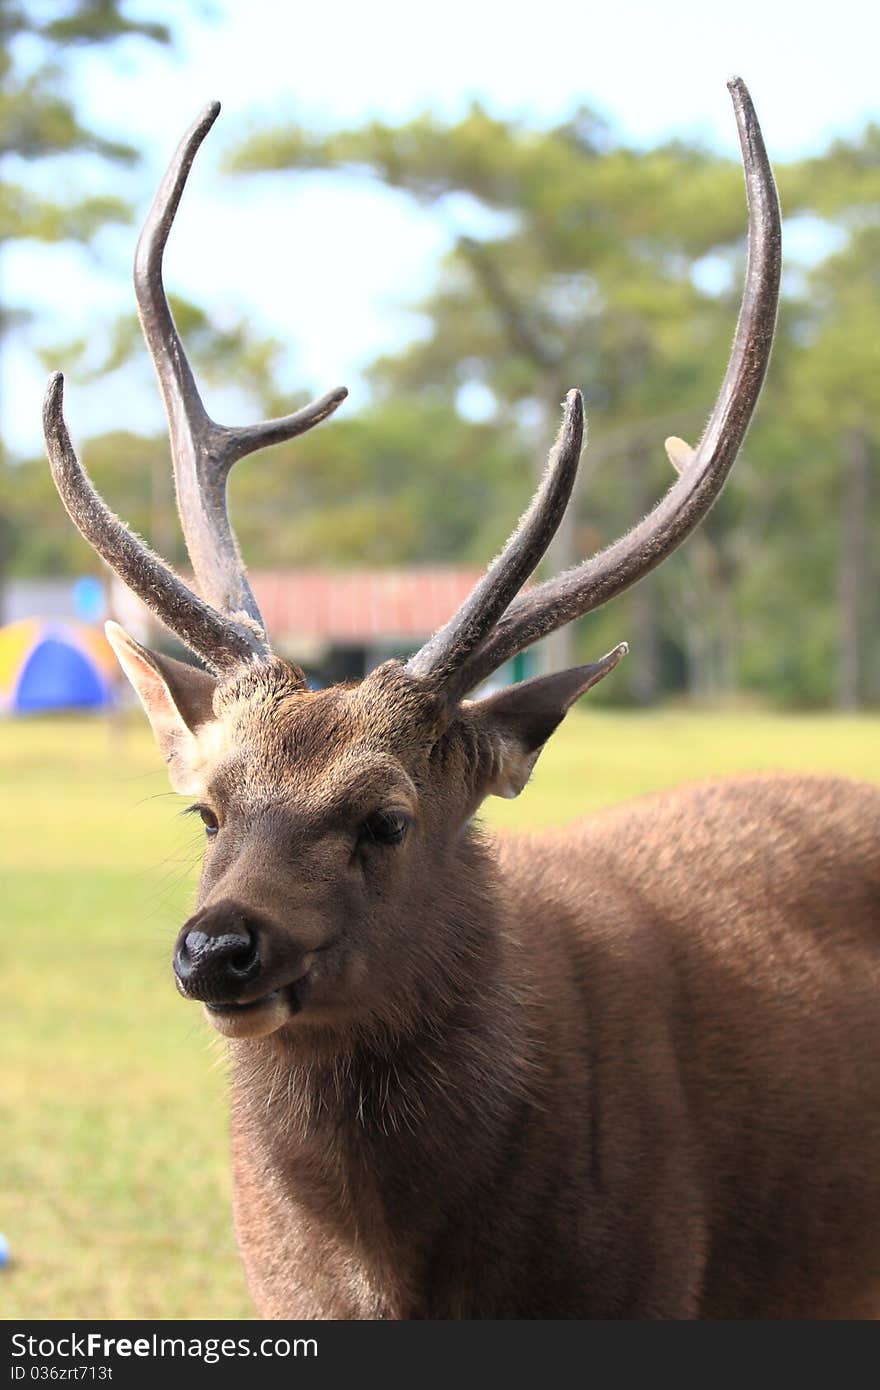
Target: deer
{"type": "Point", "coordinates": [628, 1069]}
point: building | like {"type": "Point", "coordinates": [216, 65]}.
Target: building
{"type": "Point", "coordinates": [337, 624]}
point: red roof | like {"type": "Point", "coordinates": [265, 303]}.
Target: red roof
{"type": "Point", "coordinates": [356, 607]}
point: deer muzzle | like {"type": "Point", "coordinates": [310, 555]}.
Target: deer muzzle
{"type": "Point", "coordinates": [223, 958]}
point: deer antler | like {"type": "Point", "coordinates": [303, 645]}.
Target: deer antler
{"type": "Point", "coordinates": [459, 656]}
{"type": "Point", "coordinates": [449, 649]}
{"type": "Point", "coordinates": [224, 626]}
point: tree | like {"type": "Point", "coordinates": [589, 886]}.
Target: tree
{"type": "Point", "coordinates": [39, 120]}
{"type": "Point", "coordinates": [813, 608]}
{"type": "Point", "coordinates": [591, 281]}
{"type": "Point", "coordinates": [831, 401]}
{"type": "Point", "coordinates": [586, 262]}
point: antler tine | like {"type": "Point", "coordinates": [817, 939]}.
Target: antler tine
{"type": "Point", "coordinates": [702, 472]}
{"type": "Point", "coordinates": [203, 451]}
{"type": "Point", "coordinates": [218, 640]}
{"type": "Point", "coordinates": [448, 650]}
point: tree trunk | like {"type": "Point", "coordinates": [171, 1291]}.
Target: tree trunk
{"type": "Point", "coordinates": [643, 663]}
{"type": "Point", "coordinates": [852, 578]}
{"type": "Point", "coordinates": [645, 658]}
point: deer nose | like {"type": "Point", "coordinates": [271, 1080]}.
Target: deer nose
{"type": "Point", "coordinates": [217, 955]}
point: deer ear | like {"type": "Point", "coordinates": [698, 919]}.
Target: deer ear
{"type": "Point", "coordinates": [519, 720]}
{"type": "Point", "coordinates": [178, 700]}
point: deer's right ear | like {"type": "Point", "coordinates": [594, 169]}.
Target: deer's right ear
{"type": "Point", "coordinates": [178, 700]}
{"type": "Point", "coordinates": [519, 720]}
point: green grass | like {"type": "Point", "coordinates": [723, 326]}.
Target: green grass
{"type": "Point", "coordinates": [114, 1190]}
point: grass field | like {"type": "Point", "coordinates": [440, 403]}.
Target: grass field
{"type": "Point", "coordinates": [113, 1164]}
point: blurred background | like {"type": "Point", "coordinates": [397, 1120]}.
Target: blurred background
{"type": "Point", "coordinates": [458, 214]}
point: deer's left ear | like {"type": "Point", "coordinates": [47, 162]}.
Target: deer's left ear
{"type": "Point", "coordinates": [518, 721]}
{"type": "Point", "coordinates": [178, 700]}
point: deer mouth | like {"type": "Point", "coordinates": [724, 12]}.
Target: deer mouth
{"type": "Point", "coordinates": [256, 1019]}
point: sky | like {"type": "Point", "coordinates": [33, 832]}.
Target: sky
{"type": "Point", "coordinates": [331, 264]}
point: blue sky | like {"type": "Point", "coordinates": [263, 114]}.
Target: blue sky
{"type": "Point", "coordinates": [330, 264]}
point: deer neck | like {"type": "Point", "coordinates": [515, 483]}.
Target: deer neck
{"type": "Point", "coordinates": [344, 1134]}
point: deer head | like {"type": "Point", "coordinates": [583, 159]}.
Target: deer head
{"type": "Point", "coordinates": [335, 820]}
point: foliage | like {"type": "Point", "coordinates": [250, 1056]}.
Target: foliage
{"type": "Point", "coordinates": [618, 269]}
{"type": "Point", "coordinates": [405, 481]}
{"type": "Point", "coordinates": [39, 120]}
{"type": "Point", "coordinates": [593, 263]}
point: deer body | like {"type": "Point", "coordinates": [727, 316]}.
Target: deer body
{"type": "Point", "coordinates": [643, 1104]}
{"type": "Point", "coordinates": [625, 1071]}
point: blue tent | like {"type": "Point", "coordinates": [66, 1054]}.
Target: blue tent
{"type": "Point", "coordinates": [54, 665]}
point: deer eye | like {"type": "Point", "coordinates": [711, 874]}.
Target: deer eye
{"type": "Point", "coordinates": [385, 827]}
{"type": "Point", "coordinates": [209, 820]}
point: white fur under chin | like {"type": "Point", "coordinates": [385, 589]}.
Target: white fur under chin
{"type": "Point", "coordinates": [257, 1021]}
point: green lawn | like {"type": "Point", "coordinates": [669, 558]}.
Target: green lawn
{"type": "Point", "coordinates": [113, 1166]}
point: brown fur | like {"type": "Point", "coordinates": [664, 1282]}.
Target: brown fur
{"type": "Point", "coordinates": [625, 1070]}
